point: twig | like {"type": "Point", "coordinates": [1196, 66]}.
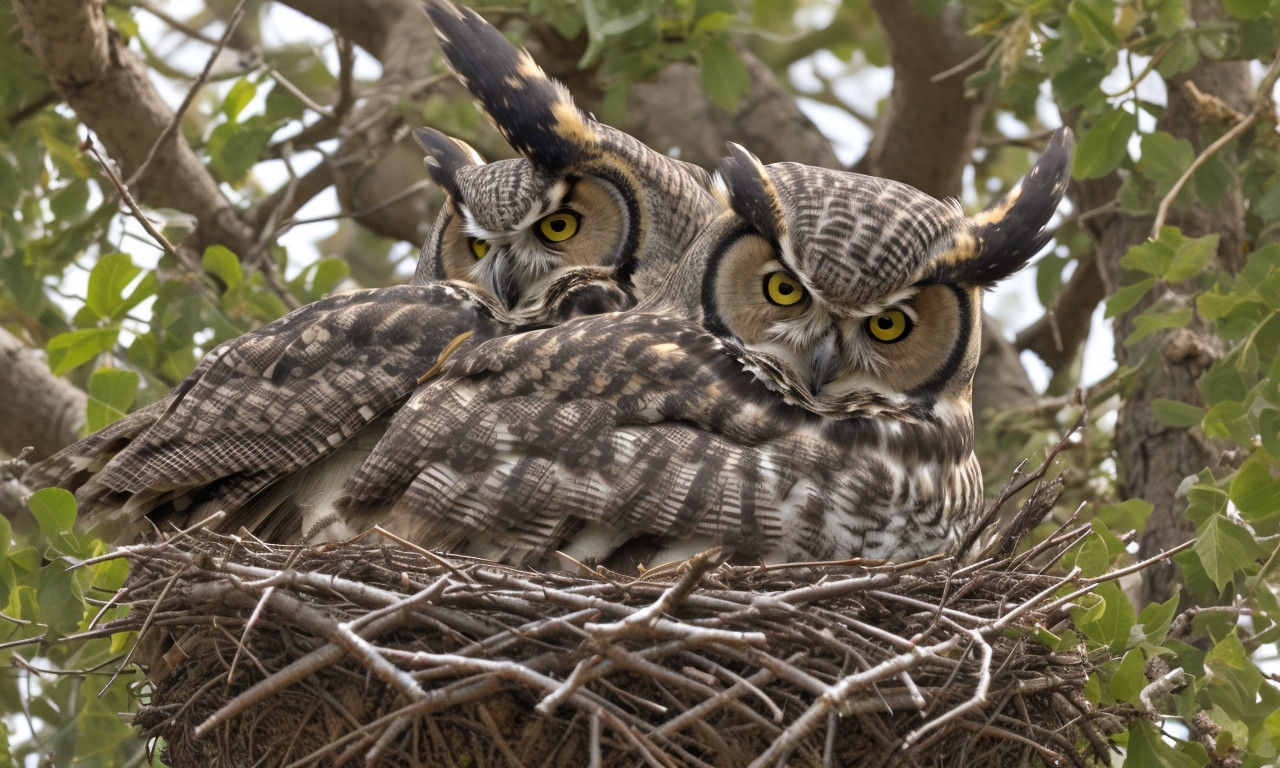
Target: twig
{"type": "Point", "coordinates": [649, 616]}
{"type": "Point", "coordinates": [978, 700]}
{"type": "Point", "coordinates": [156, 235]}
{"type": "Point", "coordinates": [1261, 105]}
{"type": "Point", "coordinates": [836, 694]}
{"type": "Point", "coordinates": [1162, 686]}
{"type": "Point", "coordinates": [236, 16]}
{"type": "Point", "coordinates": [1138, 566]}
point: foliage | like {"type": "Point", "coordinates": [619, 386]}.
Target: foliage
{"type": "Point", "coordinates": [127, 320]}
{"type": "Point", "coordinates": [63, 694]}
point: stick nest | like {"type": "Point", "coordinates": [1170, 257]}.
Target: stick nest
{"type": "Point", "coordinates": [381, 655]}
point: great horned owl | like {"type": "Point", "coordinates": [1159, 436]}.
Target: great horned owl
{"type": "Point", "coordinates": [587, 220]}
{"type": "Point", "coordinates": [269, 424]}
{"type": "Point", "coordinates": [799, 389]}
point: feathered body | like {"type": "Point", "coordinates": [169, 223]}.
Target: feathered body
{"type": "Point", "coordinates": [799, 389]}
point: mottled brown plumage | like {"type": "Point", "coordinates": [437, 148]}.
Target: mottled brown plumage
{"type": "Point", "coordinates": [263, 407]}
{"type": "Point", "coordinates": [799, 389]}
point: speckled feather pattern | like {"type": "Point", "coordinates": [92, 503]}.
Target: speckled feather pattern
{"type": "Point", "coordinates": [270, 402]}
{"type": "Point", "coordinates": [647, 425]}
{"type": "Point", "coordinates": [857, 238]}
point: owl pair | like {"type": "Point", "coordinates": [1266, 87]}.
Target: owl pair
{"type": "Point", "coordinates": [794, 382]}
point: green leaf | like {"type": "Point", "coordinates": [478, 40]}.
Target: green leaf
{"type": "Point", "coordinates": [6, 755]}
{"type": "Point", "coordinates": [238, 97]}
{"type": "Point", "coordinates": [1128, 680]}
{"type": "Point", "coordinates": [1190, 259]}
{"type": "Point", "coordinates": [1172, 413]}
{"type": "Point", "coordinates": [1205, 499]}
{"type": "Point", "coordinates": [60, 599]}
{"type": "Point", "coordinates": [1125, 298]}
{"type": "Point", "coordinates": [71, 201]}
{"type": "Point", "coordinates": [1164, 159]}
{"type": "Point", "coordinates": [1225, 547]}
{"type": "Point", "coordinates": [1152, 321]}
{"type": "Point", "coordinates": [1228, 419]}
{"type": "Point", "coordinates": [318, 279]}
{"type": "Point", "coordinates": [55, 511]}
{"type": "Point", "coordinates": [1147, 749]}
{"type": "Point", "coordinates": [1092, 689]}
{"type": "Point", "coordinates": [1233, 679]}
{"type": "Point", "coordinates": [1215, 305]}
{"type": "Point", "coordinates": [109, 575]}
{"type": "Point", "coordinates": [1155, 620]}
{"type": "Point", "coordinates": [1254, 489]}
{"type": "Point", "coordinates": [1091, 23]}
{"type": "Point", "coordinates": [1078, 81]}
{"type": "Point", "coordinates": [1108, 619]}
{"type": "Point", "coordinates": [111, 392]}
{"type": "Point", "coordinates": [1128, 515]}
{"type": "Point", "coordinates": [1182, 56]}
{"type": "Point", "coordinates": [1212, 180]}
{"type": "Point", "coordinates": [220, 262]}
{"type": "Point", "coordinates": [1246, 9]}
{"type": "Point", "coordinates": [107, 283]}
{"type": "Point", "coordinates": [75, 348]}
{"type": "Point", "coordinates": [234, 148]}
{"type": "Point", "coordinates": [68, 156]}
{"type": "Point", "coordinates": [1104, 145]}
{"type": "Point", "coordinates": [1093, 558]}
{"type": "Point", "coordinates": [1269, 428]}
{"type": "Point", "coordinates": [1154, 256]}
{"type": "Point", "coordinates": [724, 76]}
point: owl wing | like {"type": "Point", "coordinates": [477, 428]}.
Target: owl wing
{"type": "Point", "coordinates": [267, 403]}
{"type": "Point", "coordinates": [597, 437]}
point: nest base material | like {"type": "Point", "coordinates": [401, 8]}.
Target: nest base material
{"type": "Point", "coordinates": [381, 655]}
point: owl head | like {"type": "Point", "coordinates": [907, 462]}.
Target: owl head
{"type": "Point", "coordinates": [587, 219]}
{"type": "Point", "coordinates": [858, 295]}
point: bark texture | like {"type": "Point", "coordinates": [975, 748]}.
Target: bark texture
{"type": "Point", "coordinates": [38, 409]}
{"type": "Point", "coordinates": [930, 125]}
{"type": "Point", "coordinates": [1153, 459]}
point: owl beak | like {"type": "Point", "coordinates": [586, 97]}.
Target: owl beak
{"type": "Point", "coordinates": [824, 361]}
{"type": "Point", "coordinates": [502, 279]}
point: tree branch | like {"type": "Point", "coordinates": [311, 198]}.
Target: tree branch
{"type": "Point", "coordinates": [38, 409]}
{"type": "Point", "coordinates": [96, 74]}
{"type": "Point", "coordinates": [931, 125]}
{"type": "Point", "coordinates": [1059, 335]}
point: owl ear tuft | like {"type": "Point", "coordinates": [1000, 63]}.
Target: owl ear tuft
{"type": "Point", "coordinates": [534, 113]}
{"type": "Point", "coordinates": [1009, 233]}
{"type": "Point", "coordinates": [745, 182]}
{"type": "Point", "coordinates": [445, 157]}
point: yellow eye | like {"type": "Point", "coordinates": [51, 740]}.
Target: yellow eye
{"type": "Point", "coordinates": [890, 326]}
{"type": "Point", "coordinates": [559, 227]}
{"type": "Point", "coordinates": [782, 289]}
{"type": "Point", "coordinates": [479, 248]}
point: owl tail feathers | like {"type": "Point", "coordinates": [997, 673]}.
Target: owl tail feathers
{"type": "Point", "coordinates": [533, 112]}
{"type": "Point", "coordinates": [1004, 237]}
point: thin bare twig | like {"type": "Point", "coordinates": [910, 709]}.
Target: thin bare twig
{"type": "Point", "coordinates": [236, 16]}
{"type": "Point", "coordinates": [1262, 104]}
